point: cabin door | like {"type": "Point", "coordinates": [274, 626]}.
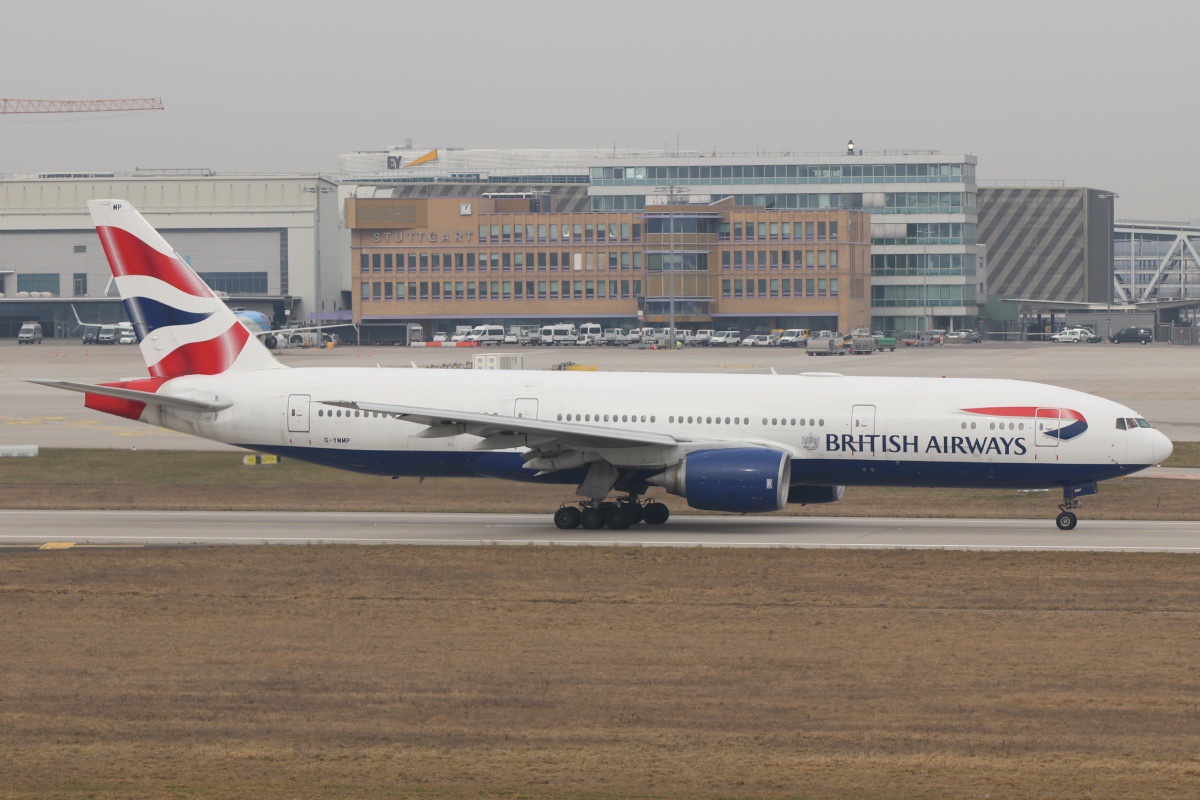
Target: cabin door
{"type": "Point", "coordinates": [862, 421]}
{"type": "Point", "coordinates": [297, 412]}
{"type": "Point", "coordinates": [525, 407]}
{"type": "Point", "coordinates": [1046, 423]}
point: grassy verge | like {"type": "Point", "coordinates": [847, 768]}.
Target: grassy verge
{"type": "Point", "coordinates": [343, 672]}
{"type": "Point", "coordinates": [154, 479]}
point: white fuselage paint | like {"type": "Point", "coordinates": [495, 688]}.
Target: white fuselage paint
{"type": "Point", "coordinates": [857, 430]}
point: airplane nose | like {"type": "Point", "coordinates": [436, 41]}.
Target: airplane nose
{"type": "Point", "coordinates": [1162, 448]}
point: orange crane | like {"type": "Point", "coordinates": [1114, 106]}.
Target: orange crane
{"type": "Point", "coordinates": [9, 106]}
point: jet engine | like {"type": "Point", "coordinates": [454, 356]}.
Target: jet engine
{"type": "Point", "coordinates": [744, 479]}
{"type": "Point", "coordinates": [812, 495]}
{"type": "Point", "coordinates": [270, 342]}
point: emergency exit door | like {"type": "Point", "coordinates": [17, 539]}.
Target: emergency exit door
{"type": "Point", "coordinates": [297, 413]}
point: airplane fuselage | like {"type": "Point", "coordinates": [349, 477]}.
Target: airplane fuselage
{"type": "Point", "coordinates": [837, 429]}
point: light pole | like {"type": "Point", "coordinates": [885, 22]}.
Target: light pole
{"type": "Point", "coordinates": [318, 304]}
{"type": "Point", "coordinates": [670, 190]}
{"type": "Point", "coordinates": [1110, 274]}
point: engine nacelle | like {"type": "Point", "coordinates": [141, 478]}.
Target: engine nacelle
{"type": "Point", "coordinates": [270, 342]}
{"type": "Point", "coordinates": [744, 479]}
{"type": "Point", "coordinates": [813, 495]}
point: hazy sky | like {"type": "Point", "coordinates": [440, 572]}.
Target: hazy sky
{"type": "Point", "coordinates": [1091, 92]}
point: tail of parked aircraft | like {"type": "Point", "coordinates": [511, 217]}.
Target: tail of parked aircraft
{"type": "Point", "coordinates": [181, 326]}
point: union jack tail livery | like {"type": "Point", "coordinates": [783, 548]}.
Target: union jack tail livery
{"type": "Point", "coordinates": [181, 326]}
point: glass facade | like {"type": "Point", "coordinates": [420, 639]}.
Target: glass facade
{"type": "Point", "coordinates": [925, 254]}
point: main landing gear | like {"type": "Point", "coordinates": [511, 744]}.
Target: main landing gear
{"type": "Point", "coordinates": [1066, 519]}
{"type": "Point", "coordinates": [619, 515]}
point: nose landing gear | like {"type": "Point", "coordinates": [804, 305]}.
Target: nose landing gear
{"type": "Point", "coordinates": [1066, 519]}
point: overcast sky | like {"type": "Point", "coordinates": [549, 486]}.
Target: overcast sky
{"type": "Point", "coordinates": [1091, 92]}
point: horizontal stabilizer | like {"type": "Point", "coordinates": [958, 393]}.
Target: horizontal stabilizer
{"type": "Point", "coordinates": [149, 398]}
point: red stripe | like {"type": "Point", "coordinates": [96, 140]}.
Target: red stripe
{"type": "Point", "coordinates": [1022, 411]}
{"type": "Point", "coordinates": [129, 255]}
{"type": "Point", "coordinates": [130, 409]}
{"type": "Point", "coordinates": [210, 357]}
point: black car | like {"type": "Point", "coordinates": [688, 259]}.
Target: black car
{"type": "Point", "coordinates": [90, 335]}
{"type": "Point", "coordinates": [1142, 335]}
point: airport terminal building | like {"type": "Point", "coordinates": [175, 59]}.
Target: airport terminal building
{"type": "Point", "coordinates": [441, 262]}
{"type": "Point", "coordinates": [256, 238]}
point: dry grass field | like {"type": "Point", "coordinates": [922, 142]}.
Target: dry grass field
{"type": "Point", "coordinates": [544, 672]}
{"type": "Point", "coordinates": [157, 479]}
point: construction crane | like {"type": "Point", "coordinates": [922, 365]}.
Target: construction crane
{"type": "Point", "coordinates": [8, 106]}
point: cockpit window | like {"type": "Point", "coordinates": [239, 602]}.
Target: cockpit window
{"type": "Point", "coordinates": [1120, 423]}
{"type": "Point", "coordinates": [1130, 423]}
{"type": "Point", "coordinates": [1141, 423]}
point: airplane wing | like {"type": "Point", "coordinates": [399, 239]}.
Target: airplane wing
{"type": "Point", "coordinates": [305, 329]}
{"type": "Point", "coordinates": [499, 431]}
{"type": "Point", "coordinates": [149, 398]}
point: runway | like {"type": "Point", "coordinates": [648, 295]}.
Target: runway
{"type": "Point", "coordinates": [68, 529]}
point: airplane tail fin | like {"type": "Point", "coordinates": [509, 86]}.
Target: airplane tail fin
{"type": "Point", "coordinates": [181, 326]}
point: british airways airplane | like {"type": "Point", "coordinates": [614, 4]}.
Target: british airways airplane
{"type": "Point", "coordinates": [742, 444]}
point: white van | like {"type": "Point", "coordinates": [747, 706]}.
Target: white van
{"type": "Point", "coordinates": [592, 331]}
{"type": "Point", "coordinates": [793, 337]}
{"type": "Point", "coordinates": [486, 334]}
{"type": "Point", "coordinates": [562, 333]}
{"type": "Point", "coordinates": [30, 333]}
{"type": "Point", "coordinates": [107, 335]}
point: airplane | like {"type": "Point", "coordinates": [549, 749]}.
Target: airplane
{"type": "Point", "coordinates": [733, 443]}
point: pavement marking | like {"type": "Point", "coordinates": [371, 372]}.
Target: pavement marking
{"type": "Point", "coordinates": [57, 546]}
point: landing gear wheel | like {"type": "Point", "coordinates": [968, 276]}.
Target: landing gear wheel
{"type": "Point", "coordinates": [655, 513]}
{"type": "Point", "coordinates": [592, 518]}
{"type": "Point", "coordinates": [621, 517]}
{"type": "Point", "coordinates": [1066, 520]}
{"type": "Point", "coordinates": [567, 517]}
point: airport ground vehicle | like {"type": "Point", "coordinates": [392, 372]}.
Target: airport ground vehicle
{"type": "Point", "coordinates": [107, 335]}
{"type": "Point", "coordinates": [703, 336]}
{"type": "Point", "coordinates": [741, 444]}
{"type": "Point", "coordinates": [793, 337]}
{"type": "Point", "coordinates": [560, 334]}
{"type": "Point", "coordinates": [828, 343]}
{"type": "Point", "coordinates": [757, 340]}
{"type": "Point", "coordinates": [1074, 335]}
{"type": "Point", "coordinates": [30, 333]}
{"type": "Point", "coordinates": [912, 339]}
{"type": "Point", "coordinates": [725, 339]}
{"type": "Point", "coordinates": [862, 345]}
{"type": "Point", "coordinates": [884, 341]}
{"type": "Point", "coordinates": [965, 335]}
{"type": "Point", "coordinates": [486, 335]}
{"type": "Point", "coordinates": [935, 336]}
{"type": "Point", "coordinates": [441, 336]}
{"type": "Point", "coordinates": [1140, 335]}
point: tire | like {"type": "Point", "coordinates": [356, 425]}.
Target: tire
{"type": "Point", "coordinates": [567, 517]}
{"type": "Point", "coordinates": [592, 518]}
{"type": "Point", "coordinates": [1066, 521]}
{"type": "Point", "coordinates": [655, 513]}
{"type": "Point", "coordinates": [620, 517]}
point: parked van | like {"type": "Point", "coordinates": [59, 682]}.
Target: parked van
{"type": "Point", "coordinates": [30, 333]}
{"type": "Point", "coordinates": [486, 334]}
{"type": "Point", "coordinates": [793, 337]}
{"type": "Point", "coordinates": [562, 333]}
{"type": "Point", "coordinates": [108, 335]}
{"type": "Point", "coordinates": [591, 329]}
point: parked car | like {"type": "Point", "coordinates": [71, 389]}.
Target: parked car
{"type": "Point", "coordinates": [757, 340]}
{"type": "Point", "coordinates": [441, 336]}
{"type": "Point", "coordinates": [1142, 335]}
{"type": "Point", "coordinates": [1074, 335]}
{"type": "Point", "coordinates": [703, 336]}
{"type": "Point", "coordinates": [725, 339]}
{"type": "Point", "coordinates": [935, 336]}
{"type": "Point", "coordinates": [127, 337]}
